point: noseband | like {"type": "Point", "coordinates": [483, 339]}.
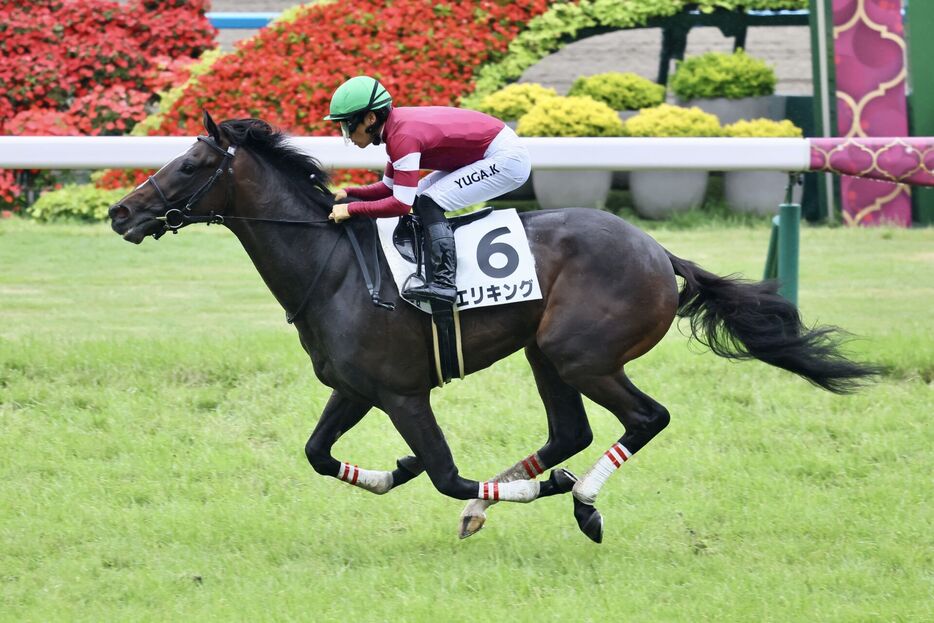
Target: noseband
{"type": "Point", "coordinates": [174, 218]}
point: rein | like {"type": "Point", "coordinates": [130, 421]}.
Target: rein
{"type": "Point", "coordinates": [174, 219]}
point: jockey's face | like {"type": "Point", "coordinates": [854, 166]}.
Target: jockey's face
{"type": "Point", "coordinates": [359, 137]}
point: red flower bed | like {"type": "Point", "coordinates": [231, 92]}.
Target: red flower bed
{"type": "Point", "coordinates": [53, 53]}
{"type": "Point", "coordinates": [424, 51]}
{"type": "Point", "coordinates": [74, 67]}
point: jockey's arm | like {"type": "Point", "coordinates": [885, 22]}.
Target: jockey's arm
{"type": "Point", "coordinates": [402, 177]}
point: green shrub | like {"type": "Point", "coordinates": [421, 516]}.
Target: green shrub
{"type": "Point", "coordinates": [84, 202]}
{"type": "Point", "coordinates": [570, 116]}
{"type": "Point", "coordinates": [513, 101]}
{"type": "Point", "coordinates": [717, 74]}
{"type": "Point", "coordinates": [763, 128]}
{"type": "Point", "coordinates": [620, 91]}
{"type": "Point", "coordinates": [561, 23]}
{"type": "Point", "coordinates": [668, 120]}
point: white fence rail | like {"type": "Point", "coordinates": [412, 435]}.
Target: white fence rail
{"type": "Point", "coordinates": [617, 154]}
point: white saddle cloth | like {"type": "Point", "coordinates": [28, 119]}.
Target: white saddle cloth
{"type": "Point", "coordinates": [494, 263]}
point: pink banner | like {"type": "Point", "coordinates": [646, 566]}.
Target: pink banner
{"type": "Point", "coordinates": [869, 45]}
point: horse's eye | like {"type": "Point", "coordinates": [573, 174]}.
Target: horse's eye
{"type": "Point", "coordinates": [187, 167]}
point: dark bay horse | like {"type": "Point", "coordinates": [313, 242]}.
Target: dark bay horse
{"type": "Point", "coordinates": [609, 295]}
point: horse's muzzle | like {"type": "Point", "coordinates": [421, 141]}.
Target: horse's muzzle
{"type": "Point", "coordinates": [118, 212]}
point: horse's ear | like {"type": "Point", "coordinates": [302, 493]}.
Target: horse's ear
{"type": "Point", "coordinates": [211, 127]}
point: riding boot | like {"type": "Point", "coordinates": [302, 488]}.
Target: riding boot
{"type": "Point", "coordinates": [443, 255]}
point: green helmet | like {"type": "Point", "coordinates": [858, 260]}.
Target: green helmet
{"type": "Point", "coordinates": [357, 95]}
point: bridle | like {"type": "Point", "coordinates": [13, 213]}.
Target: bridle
{"type": "Point", "coordinates": [175, 218]}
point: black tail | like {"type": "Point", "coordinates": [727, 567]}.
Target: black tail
{"type": "Point", "coordinates": [741, 319]}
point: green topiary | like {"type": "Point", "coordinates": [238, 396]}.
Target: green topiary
{"type": "Point", "coordinates": [561, 23]}
{"type": "Point", "coordinates": [570, 116]}
{"type": "Point", "coordinates": [620, 91]}
{"type": "Point", "coordinates": [763, 128]}
{"type": "Point", "coordinates": [513, 101]}
{"type": "Point", "coordinates": [716, 74]}
{"type": "Point", "coordinates": [668, 120]}
{"type": "Point", "coordinates": [84, 202]}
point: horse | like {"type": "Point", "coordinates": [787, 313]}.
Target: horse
{"type": "Point", "coordinates": [274, 198]}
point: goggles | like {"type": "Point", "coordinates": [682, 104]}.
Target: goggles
{"type": "Point", "coordinates": [345, 131]}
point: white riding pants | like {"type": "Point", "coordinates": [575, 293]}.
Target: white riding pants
{"type": "Point", "coordinates": [505, 166]}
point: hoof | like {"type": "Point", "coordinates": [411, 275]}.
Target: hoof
{"type": "Point", "coordinates": [589, 521]}
{"type": "Point", "coordinates": [471, 524]}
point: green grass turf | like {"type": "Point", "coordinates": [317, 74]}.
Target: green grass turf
{"type": "Point", "coordinates": [154, 407]}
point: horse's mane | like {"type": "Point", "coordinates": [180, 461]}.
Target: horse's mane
{"type": "Point", "coordinates": [298, 169]}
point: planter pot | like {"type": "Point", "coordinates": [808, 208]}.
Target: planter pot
{"type": "Point", "coordinates": [758, 192]}
{"type": "Point", "coordinates": [571, 189]}
{"type": "Point", "coordinates": [731, 111]}
{"type": "Point", "coordinates": [658, 194]}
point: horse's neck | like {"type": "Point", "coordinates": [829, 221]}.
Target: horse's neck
{"type": "Point", "coordinates": [288, 257]}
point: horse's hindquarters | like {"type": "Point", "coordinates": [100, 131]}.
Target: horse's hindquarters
{"type": "Point", "coordinates": [609, 290]}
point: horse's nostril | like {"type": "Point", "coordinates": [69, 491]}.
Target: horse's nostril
{"type": "Point", "coordinates": [118, 212]}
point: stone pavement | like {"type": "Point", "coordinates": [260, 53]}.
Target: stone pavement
{"type": "Point", "coordinates": [786, 48]}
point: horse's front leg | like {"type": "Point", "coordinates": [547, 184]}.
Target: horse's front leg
{"type": "Point", "coordinates": [568, 434]}
{"type": "Point", "coordinates": [413, 418]}
{"type": "Point", "coordinates": [340, 415]}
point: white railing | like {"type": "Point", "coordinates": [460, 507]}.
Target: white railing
{"type": "Point", "coordinates": [617, 154]}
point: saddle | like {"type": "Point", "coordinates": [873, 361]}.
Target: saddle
{"type": "Point", "coordinates": [408, 238]}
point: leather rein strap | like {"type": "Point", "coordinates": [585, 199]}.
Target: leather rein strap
{"type": "Point", "coordinates": [372, 288]}
{"type": "Point", "coordinates": [174, 219]}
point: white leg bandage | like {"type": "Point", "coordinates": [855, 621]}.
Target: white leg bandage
{"type": "Point", "coordinates": [587, 488]}
{"type": "Point", "coordinates": [516, 491]}
{"type": "Point", "coordinates": [528, 468]}
{"type": "Point", "coordinates": [372, 480]}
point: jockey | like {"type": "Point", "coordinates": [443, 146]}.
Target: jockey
{"type": "Point", "coordinates": [474, 158]}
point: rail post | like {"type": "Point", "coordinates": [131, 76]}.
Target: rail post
{"type": "Point", "coordinates": [782, 259]}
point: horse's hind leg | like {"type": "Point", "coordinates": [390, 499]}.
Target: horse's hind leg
{"type": "Point", "coordinates": [413, 418]}
{"type": "Point", "coordinates": [642, 417]}
{"type": "Point", "coordinates": [568, 434]}
{"type": "Point", "coordinates": [340, 415]}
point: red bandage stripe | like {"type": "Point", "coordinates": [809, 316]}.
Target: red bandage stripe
{"type": "Point", "coordinates": [345, 468]}
{"type": "Point", "coordinates": [538, 466]}
{"type": "Point", "coordinates": [486, 491]}
{"type": "Point", "coordinates": [495, 490]}
{"type": "Point", "coordinates": [622, 452]}
{"type": "Point", "coordinates": [356, 472]}
{"type": "Point", "coordinates": [610, 455]}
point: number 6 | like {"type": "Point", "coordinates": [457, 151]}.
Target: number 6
{"type": "Point", "coordinates": [486, 248]}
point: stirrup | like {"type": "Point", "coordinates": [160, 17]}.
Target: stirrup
{"type": "Point", "coordinates": [430, 292]}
